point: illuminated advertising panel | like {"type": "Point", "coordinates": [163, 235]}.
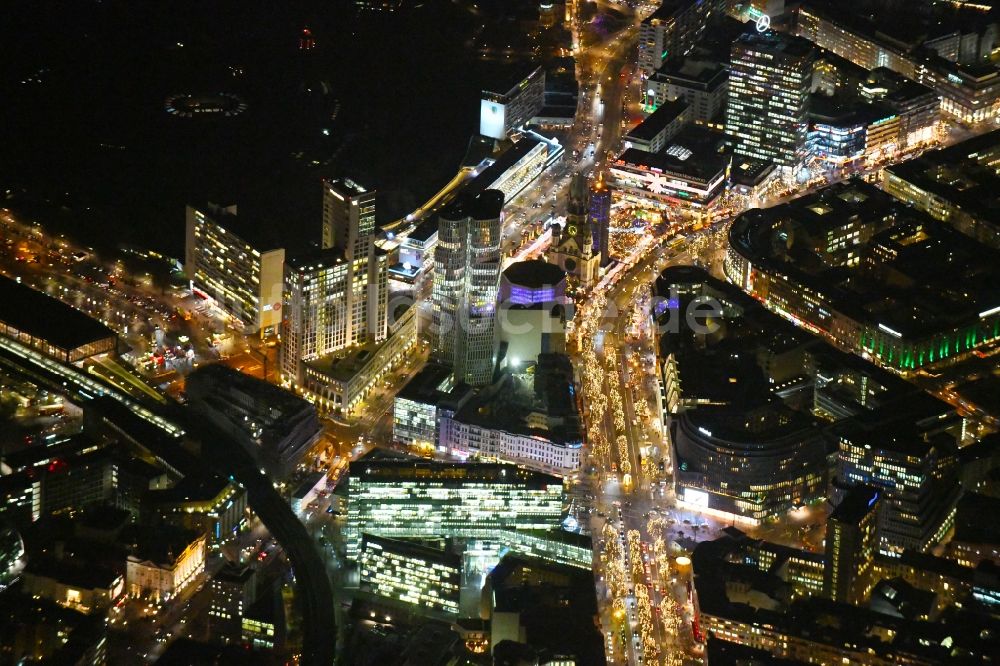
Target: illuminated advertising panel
{"type": "Point", "coordinates": [696, 497]}
{"type": "Point", "coordinates": [491, 119]}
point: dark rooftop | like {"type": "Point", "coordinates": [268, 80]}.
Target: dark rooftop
{"type": "Point", "coordinates": [534, 273]}
{"type": "Point", "coordinates": [456, 474]}
{"type": "Point", "coordinates": [665, 114]}
{"type": "Point", "coordinates": [50, 319]}
{"type": "Point", "coordinates": [192, 488]}
{"type": "Point", "coordinates": [695, 153]}
{"type": "Point", "coordinates": [507, 82]}
{"type": "Point", "coordinates": [261, 233]}
{"type": "Point", "coordinates": [212, 378]}
{"type": "Point", "coordinates": [855, 506]}
{"type": "Point", "coordinates": [750, 171]}
{"type": "Point", "coordinates": [423, 231]}
{"type": "Point", "coordinates": [434, 385]}
{"type": "Point", "coordinates": [161, 545]}
{"type": "Point", "coordinates": [708, 73]}
{"type": "Point", "coordinates": [916, 276]}
{"type": "Point", "coordinates": [970, 525]}
{"type": "Point", "coordinates": [232, 572]}
{"type": "Point", "coordinates": [964, 175]}
{"type": "Point", "coordinates": [775, 43]}
{"type": "Point", "coordinates": [314, 259]}
{"type": "Point", "coordinates": [415, 548]}
{"type": "Point", "coordinates": [506, 160]}
{"type": "Point", "coordinates": [507, 404]}
{"type": "Point", "coordinates": [85, 576]}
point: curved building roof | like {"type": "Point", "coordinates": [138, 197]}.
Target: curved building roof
{"type": "Point", "coordinates": [534, 274]}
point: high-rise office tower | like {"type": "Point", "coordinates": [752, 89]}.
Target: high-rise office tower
{"type": "Point", "coordinates": [349, 226]}
{"type": "Point", "coordinates": [466, 278]}
{"type": "Point", "coordinates": [673, 29]}
{"type": "Point", "coordinates": [573, 249]}
{"type": "Point", "coordinates": [236, 262]}
{"type": "Point", "coordinates": [336, 297]}
{"type": "Point", "coordinates": [769, 82]}
{"type": "Point", "coordinates": [316, 297]}
{"type": "Point", "coordinates": [851, 544]}
{"type": "Point", "coordinates": [600, 218]}
{"type": "Point", "coordinates": [916, 470]}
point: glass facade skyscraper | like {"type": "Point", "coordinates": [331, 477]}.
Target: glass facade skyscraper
{"type": "Point", "coordinates": [769, 82]}
{"type": "Point", "coordinates": [406, 498]}
{"type": "Point", "coordinates": [349, 226]}
{"type": "Point", "coordinates": [466, 279]}
{"type": "Point", "coordinates": [336, 297]}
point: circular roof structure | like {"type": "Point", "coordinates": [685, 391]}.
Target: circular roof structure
{"type": "Point", "coordinates": [221, 104]}
{"type": "Point", "coordinates": [534, 274]}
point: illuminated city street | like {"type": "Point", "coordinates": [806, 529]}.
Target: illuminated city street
{"type": "Point", "coordinates": [627, 332]}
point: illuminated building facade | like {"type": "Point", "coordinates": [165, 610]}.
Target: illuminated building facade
{"type": "Point", "coordinates": [263, 624]}
{"type": "Point", "coordinates": [423, 499]}
{"type": "Point", "coordinates": [855, 226]}
{"type": "Point", "coordinates": [737, 601]}
{"type": "Point", "coordinates": [769, 82]}
{"type": "Point", "coordinates": [916, 473]}
{"type": "Point", "coordinates": [653, 133]}
{"type": "Point", "coordinates": [213, 505]}
{"type": "Point", "coordinates": [841, 136]}
{"type": "Point", "coordinates": [412, 573]}
{"type": "Point", "coordinates": [416, 255]}
{"type": "Point", "coordinates": [702, 84]}
{"type": "Point", "coordinates": [233, 589]}
{"type": "Point", "coordinates": [340, 381]}
{"type": "Point", "coordinates": [528, 418]}
{"type": "Point", "coordinates": [837, 141]}
{"type": "Point", "coordinates": [338, 340]}
{"type": "Point", "coordinates": [80, 588]}
{"type": "Point", "coordinates": [349, 226]}
{"type": "Point", "coordinates": [533, 310]}
{"type": "Point", "coordinates": [500, 113]}
{"type": "Point", "coordinates": [512, 171]}
{"type": "Point", "coordinates": [316, 316]}
{"type": "Point", "coordinates": [958, 185]}
{"type": "Point", "coordinates": [738, 449]}
{"type": "Point", "coordinates": [918, 107]}
{"type": "Point", "coordinates": [164, 563]}
{"type": "Point", "coordinates": [532, 282]}
{"type": "Point", "coordinates": [243, 275]}
{"type": "Point", "coordinates": [755, 477]}
{"type": "Point", "coordinates": [531, 451]}
{"type": "Point", "coordinates": [466, 279]}
{"type": "Point", "coordinates": [673, 29]}
{"type": "Point", "coordinates": [689, 175]}
{"type": "Point", "coordinates": [969, 93]}
{"type": "Point", "coordinates": [420, 406]}
{"type": "Point", "coordinates": [851, 545]}
{"type": "Point", "coordinates": [601, 196]}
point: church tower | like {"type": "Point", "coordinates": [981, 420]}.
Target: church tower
{"type": "Point", "coordinates": [573, 248]}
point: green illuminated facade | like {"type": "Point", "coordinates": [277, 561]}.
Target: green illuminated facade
{"type": "Point", "coordinates": [875, 276]}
